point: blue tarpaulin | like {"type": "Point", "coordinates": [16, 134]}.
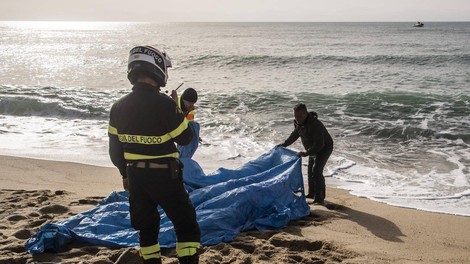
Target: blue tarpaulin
{"type": "Point", "coordinates": [187, 151]}
{"type": "Point", "coordinates": [263, 194]}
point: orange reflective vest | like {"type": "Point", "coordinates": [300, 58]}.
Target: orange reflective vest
{"type": "Point", "coordinates": [190, 114]}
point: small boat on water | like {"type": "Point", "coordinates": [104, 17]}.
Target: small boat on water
{"type": "Point", "coordinates": [418, 24]}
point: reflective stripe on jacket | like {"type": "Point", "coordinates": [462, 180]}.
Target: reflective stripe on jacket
{"type": "Point", "coordinates": [144, 125]}
{"type": "Point", "coordinates": [191, 112]}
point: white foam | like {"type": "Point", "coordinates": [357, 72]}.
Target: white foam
{"type": "Point", "coordinates": [432, 192]}
{"type": "Point", "coordinates": [86, 141]}
{"type": "Point", "coordinates": [82, 141]}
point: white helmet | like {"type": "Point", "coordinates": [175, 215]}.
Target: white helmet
{"type": "Point", "coordinates": [149, 61]}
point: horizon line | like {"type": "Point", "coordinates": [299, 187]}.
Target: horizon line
{"type": "Point", "coordinates": [209, 21]}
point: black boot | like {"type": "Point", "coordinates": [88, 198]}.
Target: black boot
{"type": "Point", "coordinates": [311, 188]}
{"type": "Point", "coordinates": [319, 198]}
{"type": "Point", "coordinates": [194, 259]}
{"type": "Point", "coordinates": [310, 196]}
{"type": "Point", "coordinates": [319, 202]}
{"type": "Point", "coordinates": [152, 261]}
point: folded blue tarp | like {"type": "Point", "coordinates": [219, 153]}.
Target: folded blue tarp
{"type": "Point", "coordinates": [265, 193]}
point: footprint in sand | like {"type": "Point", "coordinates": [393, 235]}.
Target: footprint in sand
{"type": "Point", "coordinates": [53, 209]}
{"type": "Point", "coordinates": [22, 234]}
{"type": "Point", "coordinates": [36, 223]}
{"type": "Point", "coordinates": [93, 200]}
{"type": "Point", "coordinates": [299, 245]}
{"type": "Point", "coordinates": [34, 214]}
{"type": "Point", "coordinates": [16, 218]}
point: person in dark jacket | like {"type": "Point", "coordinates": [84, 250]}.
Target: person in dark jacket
{"type": "Point", "coordinates": [186, 102]}
{"type": "Point", "coordinates": [318, 146]}
{"type": "Point", "coordinates": [143, 128]}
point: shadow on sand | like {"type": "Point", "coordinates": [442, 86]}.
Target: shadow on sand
{"type": "Point", "coordinates": [379, 226]}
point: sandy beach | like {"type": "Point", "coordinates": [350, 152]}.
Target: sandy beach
{"type": "Point", "coordinates": [347, 229]}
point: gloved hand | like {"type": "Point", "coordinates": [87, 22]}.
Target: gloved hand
{"type": "Point", "coordinates": [302, 154]}
{"type": "Point", "coordinates": [174, 96]}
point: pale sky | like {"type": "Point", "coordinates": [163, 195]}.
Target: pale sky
{"type": "Point", "coordinates": [235, 10]}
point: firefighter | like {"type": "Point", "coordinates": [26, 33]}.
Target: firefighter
{"type": "Point", "coordinates": [186, 103]}
{"type": "Point", "coordinates": [143, 128]}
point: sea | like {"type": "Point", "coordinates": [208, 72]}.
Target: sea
{"type": "Point", "coordinates": [395, 98]}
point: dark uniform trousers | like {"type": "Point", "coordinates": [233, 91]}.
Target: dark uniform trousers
{"type": "Point", "coordinates": [316, 180]}
{"type": "Point", "coordinates": [152, 187]}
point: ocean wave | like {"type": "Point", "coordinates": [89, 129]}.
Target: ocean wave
{"type": "Point", "coordinates": [21, 106]}
{"type": "Point", "coordinates": [236, 61]}
{"type": "Point", "coordinates": [403, 116]}
{"type": "Point", "coordinates": [385, 116]}
{"type": "Point", "coordinates": [53, 102]}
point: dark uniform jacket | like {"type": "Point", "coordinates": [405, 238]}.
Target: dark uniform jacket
{"type": "Point", "coordinates": [313, 134]}
{"type": "Point", "coordinates": [143, 126]}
